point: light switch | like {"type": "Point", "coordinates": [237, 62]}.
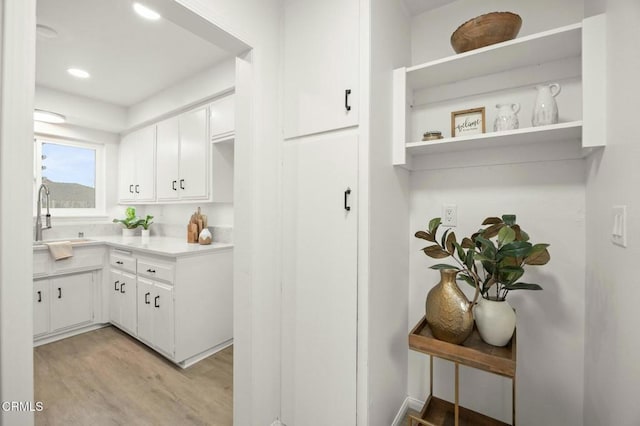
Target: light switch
{"type": "Point", "coordinates": [619, 226]}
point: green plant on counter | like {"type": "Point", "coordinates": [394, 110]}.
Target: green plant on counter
{"type": "Point", "coordinates": [502, 260]}
{"type": "Point", "coordinates": [146, 222]}
{"type": "Point", "coordinates": [131, 221]}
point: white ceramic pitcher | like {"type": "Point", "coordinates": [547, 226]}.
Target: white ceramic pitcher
{"type": "Point", "coordinates": [507, 118]}
{"type": "Point", "coordinates": [545, 110]}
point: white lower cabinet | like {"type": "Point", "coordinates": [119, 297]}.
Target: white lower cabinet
{"type": "Point", "coordinates": [122, 300]}
{"type": "Point", "coordinates": [155, 315]}
{"type": "Point", "coordinates": [40, 307]}
{"type": "Point", "coordinates": [71, 300]}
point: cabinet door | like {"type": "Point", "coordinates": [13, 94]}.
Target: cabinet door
{"type": "Point", "coordinates": [145, 310]}
{"type": "Point", "coordinates": [115, 278]}
{"type": "Point", "coordinates": [168, 143]}
{"type": "Point", "coordinates": [163, 326]}
{"type": "Point", "coordinates": [194, 143]}
{"type": "Point", "coordinates": [72, 300]}
{"type": "Point", "coordinates": [40, 307]}
{"type": "Point", "coordinates": [128, 309]}
{"type": "Point", "coordinates": [319, 304]}
{"type": "Point", "coordinates": [321, 60]}
{"type": "Point", "coordinates": [126, 168]}
{"type": "Point", "coordinates": [145, 163]}
{"type": "Point", "coordinates": [222, 117]}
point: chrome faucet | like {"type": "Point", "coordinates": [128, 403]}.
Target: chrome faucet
{"type": "Point", "coordinates": [39, 227]}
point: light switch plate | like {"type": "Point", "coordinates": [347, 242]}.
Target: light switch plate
{"type": "Point", "coordinates": [619, 226]}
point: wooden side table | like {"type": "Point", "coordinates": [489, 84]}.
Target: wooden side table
{"type": "Point", "coordinates": [473, 352]}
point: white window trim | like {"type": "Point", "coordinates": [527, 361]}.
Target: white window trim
{"type": "Point", "coordinates": [100, 209]}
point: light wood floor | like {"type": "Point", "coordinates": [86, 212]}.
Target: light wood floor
{"type": "Point", "coordinates": [105, 377]}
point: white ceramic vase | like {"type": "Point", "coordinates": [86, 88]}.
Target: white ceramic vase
{"type": "Point", "coordinates": [496, 321]}
{"type": "Point", "coordinates": [545, 110]}
{"type": "Point", "coordinates": [145, 234]}
{"type": "Point", "coordinates": [126, 232]}
{"type": "Point", "coordinates": [507, 118]}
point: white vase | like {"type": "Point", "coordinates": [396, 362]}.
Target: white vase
{"type": "Point", "coordinates": [496, 321]}
{"type": "Point", "coordinates": [145, 234]}
{"type": "Point", "coordinates": [545, 110]}
{"type": "Point", "coordinates": [126, 232]}
{"type": "Point", "coordinates": [507, 118]}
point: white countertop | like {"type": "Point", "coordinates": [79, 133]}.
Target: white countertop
{"type": "Point", "coordinates": [163, 246]}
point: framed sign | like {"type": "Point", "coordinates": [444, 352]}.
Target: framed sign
{"type": "Point", "coordinates": [467, 122]}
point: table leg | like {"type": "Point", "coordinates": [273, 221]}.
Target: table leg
{"type": "Point", "coordinates": [457, 406]}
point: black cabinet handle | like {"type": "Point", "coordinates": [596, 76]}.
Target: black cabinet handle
{"type": "Point", "coordinates": [115, 285]}
{"type": "Point", "coordinates": [153, 271]}
{"type": "Point", "coordinates": [119, 262]}
{"type": "Point", "coordinates": [137, 189]}
{"type": "Point", "coordinates": [155, 301]}
{"type": "Point", "coordinates": [346, 99]}
{"type": "Point", "coordinates": [347, 192]}
{"type": "Point", "coordinates": [173, 185]}
{"type": "Point", "coordinates": [59, 293]}
{"type": "Point", "coordinates": [146, 299]}
{"type": "Point", "coordinates": [39, 296]}
{"type": "Point", "coordinates": [131, 189]}
{"type": "Point", "coordinates": [181, 183]}
{"type": "Point", "coordinates": [122, 288]}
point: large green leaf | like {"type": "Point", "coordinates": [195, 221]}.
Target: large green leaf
{"type": "Point", "coordinates": [510, 274]}
{"type": "Point", "coordinates": [539, 255]}
{"type": "Point", "coordinates": [506, 235]}
{"type": "Point", "coordinates": [485, 243]}
{"type": "Point", "coordinates": [440, 266]}
{"type": "Point", "coordinates": [461, 254]}
{"type": "Point", "coordinates": [509, 219]}
{"type": "Point", "coordinates": [522, 286]}
{"type": "Point", "coordinates": [469, 259]}
{"type": "Point", "coordinates": [481, 257]}
{"type": "Point", "coordinates": [433, 225]}
{"type": "Point", "coordinates": [435, 252]}
{"type": "Point", "coordinates": [443, 240]}
{"type": "Point", "coordinates": [514, 249]}
{"type": "Point", "coordinates": [489, 267]}
{"type": "Point", "coordinates": [467, 279]}
{"type": "Point", "coordinates": [425, 236]}
{"type": "Point", "coordinates": [525, 236]}
{"type": "Point", "coordinates": [491, 221]}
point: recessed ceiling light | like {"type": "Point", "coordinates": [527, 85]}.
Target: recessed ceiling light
{"type": "Point", "coordinates": [46, 32]}
{"type": "Point", "coordinates": [145, 12]}
{"type": "Point", "coordinates": [48, 116]}
{"type": "Point", "coordinates": [77, 72]}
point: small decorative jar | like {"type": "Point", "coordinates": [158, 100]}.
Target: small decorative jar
{"type": "Point", "coordinates": [507, 118]}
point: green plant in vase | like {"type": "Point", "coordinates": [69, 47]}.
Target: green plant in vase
{"type": "Point", "coordinates": [130, 221]}
{"type": "Point", "coordinates": [502, 250]}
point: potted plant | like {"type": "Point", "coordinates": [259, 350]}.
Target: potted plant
{"type": "Point", "coordinates": [502, 250]}
{"type": "Point", "coordinates": [146, 223]}
{"type": "Point", "coordinates": [130, 222]}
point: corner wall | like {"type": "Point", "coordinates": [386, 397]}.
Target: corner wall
{"type": "Point", "coordinates": [612, 375]}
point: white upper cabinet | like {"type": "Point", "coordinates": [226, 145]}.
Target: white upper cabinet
{"type": "Point", "coordinates": [222, 117]}
{"type": "Point", "coordinates": [137, 166]}
{"type": "Point", "coordinates": [183, 160]}
{"type": "Point", "coordinates": [321, 66]}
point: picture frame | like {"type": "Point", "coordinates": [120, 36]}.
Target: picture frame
{"type": "Point", "coordinates": [468, 122]}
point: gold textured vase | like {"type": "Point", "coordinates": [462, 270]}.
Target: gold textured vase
{"type": "Point", "coordinates": [449, 313]}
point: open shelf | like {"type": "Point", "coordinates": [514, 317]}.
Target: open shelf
{"type": "Point", "coordinates": [547, 46]}
{"type": "Point", "coordinates": [438, 412]}
{"type": "Point", "coordinates": [528, 135]}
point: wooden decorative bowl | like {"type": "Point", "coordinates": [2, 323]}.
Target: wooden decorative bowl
{"type": "Point", "coordinates": [485, 30]}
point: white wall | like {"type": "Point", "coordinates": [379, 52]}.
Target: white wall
{"type": "Point", "coordinates": [549, 201]}
{"type": "Point", "coordinates": [205, 84]}
{"type": "Point", "coordinates": [551, 322]}
{"type": "Point", "coordinates": [388, 222]}
{"type": "Point", "coordinates": [81, 111]}
{"type": "Point", "coordinates": [612, 375]}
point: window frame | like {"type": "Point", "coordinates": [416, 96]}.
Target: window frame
{"type": "Point", "coordinates": [100, 191]}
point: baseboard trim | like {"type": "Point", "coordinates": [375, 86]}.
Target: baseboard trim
{"type": "Point", "coordinates": [199, 357]}
{"type": "Point", "coordinates": [408, 404]}
{"type": "Point", "coordinates": [65, 334]}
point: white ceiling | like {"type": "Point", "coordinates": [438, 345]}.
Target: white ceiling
{"type": "Point", "coordinates": [129, 58]}
{"type": "Point", "coordinates": [419, 6]}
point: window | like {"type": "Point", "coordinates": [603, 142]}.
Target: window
{"type": "Point", "coordinates": [72, 171]}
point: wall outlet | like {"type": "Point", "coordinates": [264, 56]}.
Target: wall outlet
{"type": "Point", "coordinates": [619, 226]}
{"type": "Point", "coordinates": [449, 215]}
